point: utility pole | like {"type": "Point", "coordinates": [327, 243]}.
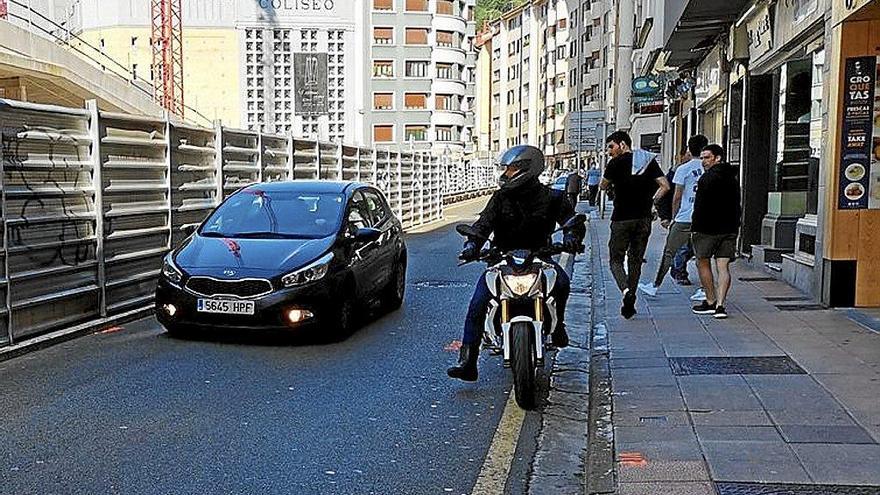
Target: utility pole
{"type": "Point", "coordinates": [624, 71]}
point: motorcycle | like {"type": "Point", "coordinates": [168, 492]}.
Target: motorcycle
{"type": "Point", "coordinates": [522, 313]}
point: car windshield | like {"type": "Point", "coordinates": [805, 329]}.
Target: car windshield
{"type": "Point", "coordinates": [259, 214]}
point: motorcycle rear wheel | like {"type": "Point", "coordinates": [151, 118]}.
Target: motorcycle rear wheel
{"type": "Point", "coordinates": [524, 365]}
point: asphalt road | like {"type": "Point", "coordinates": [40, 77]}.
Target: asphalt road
{"type": "Point", "coordinates": [138, 412]}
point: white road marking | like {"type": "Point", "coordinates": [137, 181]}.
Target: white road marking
{"type": "Point", "coordinates": [496, 468]}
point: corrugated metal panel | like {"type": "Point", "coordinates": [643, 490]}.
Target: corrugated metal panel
{"type": "Point", "coordinates": [274, 158]}
{"type": "Point", "coordinates": [195, 181]}
{"type": "Point", "coordinates": [50, 218]}
{"type": "Point", "coordinates": [135, 198]}
{"type": "Point", "coordinates": [240, 159]}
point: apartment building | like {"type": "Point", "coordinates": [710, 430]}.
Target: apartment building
{"type": "Point", "coordinates": [367, 72]}
{"type": "Point", "coordinates": [423, 78]}
{"type": "Point", "coordinates": [539, 63]}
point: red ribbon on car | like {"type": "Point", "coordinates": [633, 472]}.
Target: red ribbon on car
{"type": "Point", "coordinates": [233, 247]}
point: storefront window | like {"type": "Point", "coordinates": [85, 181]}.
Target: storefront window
{"type": "Point", "coordinates": [793, 139]}
{"type": "Point", "coordinates": [815, 131]}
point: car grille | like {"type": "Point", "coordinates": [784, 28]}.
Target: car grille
{"type": "Point", "coordinates": [251, 287]}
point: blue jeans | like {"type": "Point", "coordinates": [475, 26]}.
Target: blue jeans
{"type": "Point", "coordinates": [476, 315]}
{"type": "Point", "coordinates": [679, 261]}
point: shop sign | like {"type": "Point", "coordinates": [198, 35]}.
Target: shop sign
{"type": "Point", "coordinates": [842, 9]}
{"type": "Point", "coordinates": [794, 17]}
{"type": "Point", "coordinates": [860, 74]}
{"type": "Point", "coordinates": [760, 33]}
{"type": "Point", "coordinates": [647, 105]}
{"type": "Point", "coordinates": [874, 179]}
{"type": "Point", "coordinates": [708, 77]}
{"type": "Point", "coordinates": [298, 5]}
{"type": "Point", "coordinates": [310, 83]}
{"type": "Point", "coordinates": [645, 86]}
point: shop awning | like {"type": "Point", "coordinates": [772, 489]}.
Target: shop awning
{"type": "Point", "coordinates": [692, 26]}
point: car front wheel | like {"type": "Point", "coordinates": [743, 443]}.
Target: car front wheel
{"type": "Point", "coordinates": [396, 289]}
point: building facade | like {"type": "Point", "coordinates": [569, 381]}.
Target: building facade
{"type": "Point", "coordinates": [422, 77]}
{"type": "Point", "coordinates": [540, 64]}
{"type": "Point", "coordinates": [787, 88]}
{"type": "Point", "coordinates": [330, 69]}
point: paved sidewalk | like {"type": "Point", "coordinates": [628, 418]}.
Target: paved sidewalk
{"type": "Point", "coordinates": [701, 426]}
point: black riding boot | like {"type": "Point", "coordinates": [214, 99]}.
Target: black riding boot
{"type": "Point", "coordinates": [559, 337]}
{"type": "Point", "coordinates": [466, 369]}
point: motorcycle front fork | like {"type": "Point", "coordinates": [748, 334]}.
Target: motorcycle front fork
{"type": "Point", "coordinates": [537, 324]}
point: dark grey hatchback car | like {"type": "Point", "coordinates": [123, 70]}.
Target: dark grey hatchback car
{"type": "Point", "coordinates": [286, 255]}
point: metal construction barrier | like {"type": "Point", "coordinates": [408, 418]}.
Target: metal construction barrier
{"type": "Point", "coordinates": [92, 201]}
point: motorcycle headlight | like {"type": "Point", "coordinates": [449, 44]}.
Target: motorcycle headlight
{"type": "Point", "coordinates": [170, 270]}
{"type": "Point", "coordinates": [310, 273]}
{"type": "Point", "coordinates": [520, 285]}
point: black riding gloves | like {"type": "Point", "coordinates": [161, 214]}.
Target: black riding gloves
{"type": "Point", "coordinates": [470, 251]}
{"type": "Point", "coordinates": [572, 244]}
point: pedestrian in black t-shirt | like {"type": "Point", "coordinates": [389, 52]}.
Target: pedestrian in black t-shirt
{"type": "Point", "coordinates": [638, 182]}
{"type": "Point", "coordinates": [573, 187]}
{"type": "Point", "coordinates": [716, 220]}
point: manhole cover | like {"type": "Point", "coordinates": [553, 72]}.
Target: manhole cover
{"type": "Point", "coordinates": [763, 365]}
{"type": "Point", "coordinates": [799, 307]}
{"type": "Point", "coordinates": [789, 489]}
{"type": "Point", "coordinates": [441, 284]}
{"type": "Point", "coordinates": [757, 279]}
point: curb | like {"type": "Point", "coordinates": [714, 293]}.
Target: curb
{"type": "Point", "coordinates": [59, 336]}
{"type": "Point", "coordinates": [558, 463]}
{"type": "Point", "coordinates": [600, 473]}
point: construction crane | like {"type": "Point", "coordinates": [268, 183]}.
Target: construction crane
{"type": "Point", "coordinates": [167, 41]}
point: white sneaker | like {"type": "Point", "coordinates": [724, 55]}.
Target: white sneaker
{"type": "Point", "coordinates": [699, 295]}
{"type": "Point", "coordinates": [648, 289]}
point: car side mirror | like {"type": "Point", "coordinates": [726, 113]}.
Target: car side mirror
{"type": "Point", "coordinates": [367, 235]}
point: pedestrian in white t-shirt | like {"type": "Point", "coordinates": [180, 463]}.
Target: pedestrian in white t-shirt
{"type": "Point", "coordinates": [685, 179]}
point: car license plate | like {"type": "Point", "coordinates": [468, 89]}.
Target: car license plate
{"type": "Point", "coordinates": [225, 306]}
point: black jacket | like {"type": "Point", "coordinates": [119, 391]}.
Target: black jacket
{"type": "Point", "coordinates": [664, 205]}
{"type": "Point", "coordinates": [573, 184]}
{"type": "Point", "coordinates": [717, 206]}
{"type": "Point", "coordinates": [525, 217]}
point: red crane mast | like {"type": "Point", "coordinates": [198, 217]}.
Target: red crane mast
{"type": "Point", "coordinates": [167, 41]}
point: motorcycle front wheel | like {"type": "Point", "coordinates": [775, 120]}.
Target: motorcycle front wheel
{"type": "Point", "coordinates": [523, 364]}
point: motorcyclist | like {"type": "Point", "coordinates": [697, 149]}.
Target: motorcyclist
{"type": "Point", "coordinates": [522, 214]}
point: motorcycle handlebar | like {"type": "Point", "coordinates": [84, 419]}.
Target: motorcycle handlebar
{"type": "Point", "coordinates": [492, 253]}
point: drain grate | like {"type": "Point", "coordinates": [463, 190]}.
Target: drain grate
{"type": "Point", "coordinates": [786, 298]}
{"type": "Point", "coordinates": [790, 489]}
{"type": "Point", "coordinates": [757, 279]}
{"type": "Point", "coordinates": [799, 307]}
{"type": "Point", "coordinates": [762, 365]}
{"type": "Point", "coordinates": [653, 420]}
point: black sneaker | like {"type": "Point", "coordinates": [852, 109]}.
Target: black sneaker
{"type": "Point", "coordinates": [704, 308]}
{"type": "Point", "coordinates": [720, 313]}
{"type": "Point", "coordinates": [628, 310]}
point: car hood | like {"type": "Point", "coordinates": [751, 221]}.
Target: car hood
{"type": "Point", "coordinates": [235, 258]}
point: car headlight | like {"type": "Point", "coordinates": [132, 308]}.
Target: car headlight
{"type": "Point", "coordinates": [310, 273]}
{"type": "Point", "coordinates": [170, 270]}
{"type": "Point", "coordinates": [520, 285]}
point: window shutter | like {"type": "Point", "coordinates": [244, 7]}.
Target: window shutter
{"type": "Point", "coordinates": [416, 36]}
{"type": "Point", "coordinates": [383, 133]}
